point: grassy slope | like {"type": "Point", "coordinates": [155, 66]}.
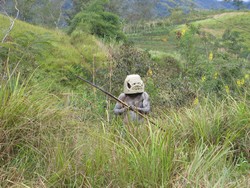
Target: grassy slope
{"type": "Point", "coordinates": [61, 147]}
{"type": "Point", "coordinates": [65, 52]}
{"type": "Point", "coordinates": [164, 38]}
{"type": "Point", "coordinates": [61, 40]}
{"type": "Point", "coordinates": [236, 21]}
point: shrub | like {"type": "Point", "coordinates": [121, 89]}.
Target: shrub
{"type": "Point", "coordinates": [129, 60]}
{"type": "Point", "coordinates": [98, 22]}
{"type": "Point", "coordinates": [170, 83]}
{"type": "Point", "coordinates": [22, 111]}
{"type": "Point", "coordinates": [213, 65]}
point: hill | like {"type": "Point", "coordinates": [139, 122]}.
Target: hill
{"type": "Point", "coordinates": [164, 6]}
{"type": "Point", "coordinates": [162, 36]}
{"type": "Point", "coordinates": [56, 131]}
{"type": "Point", "coordinates": [52, 53]}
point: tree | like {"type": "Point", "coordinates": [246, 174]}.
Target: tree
{"type": "Point", "coordinates": [48, 13]}
{"type": "Point", "coordinates": [114, 6]}
{"type": "Point", "coordinates": [96, 21]}
{"type": "Point", "coordinates": [77, 6]}
{"type": "Point", "coordinates": [12, 20]}
{"type": "Point", "coordinates": [26, 13]}
{"type": "Point", "coordinates": [137, 10]}
{"type": "Point", "coordinates": [177, 15]}
{"type": "Point", "coordinates": [41, 12]}
{"type": "Point", "coordinates": [237, 3]}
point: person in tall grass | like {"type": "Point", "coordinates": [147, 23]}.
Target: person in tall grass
{"type": "Point", "coordinates": [136, 98]}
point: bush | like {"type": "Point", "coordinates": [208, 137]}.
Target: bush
{"type": "Point", "coordinates": [98, 22]}
{"type": "Point", "coordinates": [170, 83]}
{"type": "Point", "coordinates": [129, 60]}
{"type": "Point", "coordinates": [214, 65]}
{"type": "Point", "coordinates": [22, 111]}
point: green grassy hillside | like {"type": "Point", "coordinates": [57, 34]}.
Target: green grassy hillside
{"type": "Point", "coordinates": [51, 53]}
{"type": "Point", "coordinates": [163, 38]}
{"type": "Point", "coordinates": [58, 39]}
{"type": "Point", "coordinates": [58, 132]}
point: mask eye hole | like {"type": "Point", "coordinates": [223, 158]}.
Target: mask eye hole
{"type": "Point", "coordinates": [129, 86]}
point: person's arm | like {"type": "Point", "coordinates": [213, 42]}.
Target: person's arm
{"type": "Point", "coordinates": [145, 104]}
{"type": "Point", "coordinates": [119, 108]}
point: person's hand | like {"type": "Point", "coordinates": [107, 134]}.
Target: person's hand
{"type": "Point", "coordinates": [133, 108]}
{"type": "Point", "coordinates": [122, 110]}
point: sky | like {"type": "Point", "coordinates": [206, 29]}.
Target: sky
{"type": "Point", "coordinates": [243, 0]}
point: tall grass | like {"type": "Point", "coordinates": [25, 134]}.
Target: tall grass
{"type": "Point", "coordinates": [43, 144]}
{"type": "Point", "coordinates": [25, 115]}
{"type": "Point", "coordinates": [203, 146]}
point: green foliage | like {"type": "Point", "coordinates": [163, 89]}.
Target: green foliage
{"type": "Point", "coordinates": [205, 63]}
{"type": "Point", "coordinates": [51, 54]}
{"type": "Point", "coordinates": [22, 110]}
{"type": "Point", "coordinates": [188, 45]}
{"type": "Point", "coordinates": [214, 67]}
{"type": "Point", "coordinates": [77, 6]}
{"type": "Point", "coordinates": [232, 41]}
{"type": "Point", "coordinates": [237, 3]}
{"type": "Point", "coordinates": [177, 16]}
{"type": "Point", "coordinates": [96, 21]}
{"type": "Point", "coordinates": [150, 35]}
{"type": "Point", "coordinates": [128, 60]}
{"type": "Point", "coordinates": [206, 144]}
{"type": "Point", "coordinates": [63, 139]}
{"type": "Point", "coordinates": [224, 76]}
{"type": "Point", "coordinates": [40, 12]}
{"type": "Point", "coordinates": [22, 53]}
{"type": "Point", "coordinates": [168, 86]}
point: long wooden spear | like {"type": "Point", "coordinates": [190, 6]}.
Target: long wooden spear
{"type": "Point", "coordinates": [120, 101]}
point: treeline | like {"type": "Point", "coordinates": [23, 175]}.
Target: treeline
{"type": "Point", "coordinates": [59, 13]}
{"type": "Point", "coordinates": [48, 12]}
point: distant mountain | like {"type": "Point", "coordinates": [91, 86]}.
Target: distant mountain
{"type": "Point", "coordinates": [129, 10]}
{"type": "Point", "coordinates": [163, 6]}
{"type": "Point", "coordinates": [214, 4]}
